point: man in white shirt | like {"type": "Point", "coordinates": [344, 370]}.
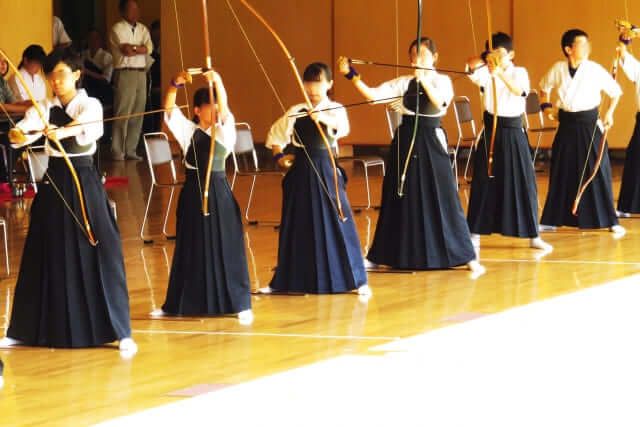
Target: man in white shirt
{"type": "Point", "coordinates": [60, 37]}
{"type": "Point", "coordinates": [131, 45]}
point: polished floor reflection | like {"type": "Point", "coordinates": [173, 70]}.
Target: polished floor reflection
{"type": "Point", "coordinates": [80, 387]}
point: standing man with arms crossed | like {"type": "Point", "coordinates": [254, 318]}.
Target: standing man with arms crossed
{"type": "Point", "coordinates": [130, 43]}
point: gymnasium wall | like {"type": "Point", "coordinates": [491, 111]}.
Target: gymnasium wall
{"type": "Point", "coordinates": [25, 22]}
{"type": "Point", "coordinates": [377, 30]}
{"type": "Point", "coordinates": [321, 30]}
{"type": "Point", "coordinates": [539, 26]}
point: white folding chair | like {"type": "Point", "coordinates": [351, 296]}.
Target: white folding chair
{"type": "Point", "coordinates": [245, 163]}
{"type": "Point", "coordinates": [158, 150]}
{"type": "Point", "coordinates": [366, 162]}
{"type": "Point", "coordinates": [34, 162]}
{"type": "Point", "coordinates": [466, 128]}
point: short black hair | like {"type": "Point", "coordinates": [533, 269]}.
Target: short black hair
{"type": "Point", "coordinates": [569, 37]}
{"type": "Point", "coordinates": [33, 52]}
{"type": "Point", "coordinates": [66, 56]}
{"type": "Point", "coordinates": [123, 4]}
{"type": "Point", "coordinates": [426, 42]}
{"type": "Point", "coordinates": [316, 71]}
{"type": "Point", "coordinates": [500, 39]}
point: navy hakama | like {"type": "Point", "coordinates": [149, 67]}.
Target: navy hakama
{"type": "Point", "coordinates": [578, 137]}
{"type": "Point", "coordinates": [318, 253]}
{"type": "Point", "coordinates": [508, 202]}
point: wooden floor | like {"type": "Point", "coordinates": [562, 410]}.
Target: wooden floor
{"type": "Point", "coordinates": [81, 387]}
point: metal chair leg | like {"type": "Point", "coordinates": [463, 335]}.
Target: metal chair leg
{"type": "Point", "coordinates": [114, 208]}
{"type": "Point", "coordinates": [535, 152]}
{"type": "Point", "coordinates": [246, 213]}
{"type": "Point", "coordinates": [5, 159]}
{"type": "Point", "coordinates": [32, 176]}
{"type": "Point", "coordinates": [366, 184]}
{"type": "Point", "coordinates": [233, 180]}
{"type": "Point", "coordinates": [166, 216]}
{"type": "Point", "coordinates": [146, 213]}
{"type": "Point", "coordinates": [6, 246]}
{"type": "Point", "coordinates": [472, 150]}
{"type": "Point", "coordinates": [466, 168]}
{"type": "Point", "coordinates": [455, 168]}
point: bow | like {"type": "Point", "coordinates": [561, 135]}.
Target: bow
{"type": "Point", "coordinates": [209, 65]}
{"type": "Point", "coordinates": [494, 92]}
{"type": "Point", "coordinates": [603, 142]}
{"type": "Point", "coordinates": [291, 61]}
{"type": "Point", "coordinates": [403, 177]}
{"type": "Point", "coordinates": [86, 225]}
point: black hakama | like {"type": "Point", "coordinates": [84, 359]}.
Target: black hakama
{"type": "Point", "coordinates": [209, 273]}
{"type": "Point", "coordinates": [578, 136]}
{"type": "Point", "coordinates": [318, 253]}
{"type": "Point", "coordinates": [629, 199]}
{"type": "Point", "coordinates": [508, 202]}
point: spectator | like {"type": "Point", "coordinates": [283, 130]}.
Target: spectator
{"type": "Point", "coordinates": [30, 68]}
{"type": "Point", "coordinates": [7, 99]}
{"type": "Point", "coordinates": [9, 105]}
{"type": "Point", "coordinates": [61, 39]}
{"type": "Point", "coordinates": [131, 46]}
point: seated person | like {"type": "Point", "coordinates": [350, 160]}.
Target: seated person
{"type": "Point", "coordinates": [8, 105]}
{"type": "Point", "coordinates": [30, 68]}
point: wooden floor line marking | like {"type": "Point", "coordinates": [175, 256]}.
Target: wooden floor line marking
{"type": "Point", "coordinates": [266, 334]}
{"type": "Point", "coordinates": [560, 261]}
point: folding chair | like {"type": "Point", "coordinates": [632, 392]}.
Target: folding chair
{"type": "Point", "coordinates": [366, 162]}
{"type": "Point", "coordinates": [245, 163]}
{"type": "Point", "coordinates": [466, 128]}
{"type": "Point", "coordinates": [158, 150]}
{"type": "Point", "coordinates": [534, 112]}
